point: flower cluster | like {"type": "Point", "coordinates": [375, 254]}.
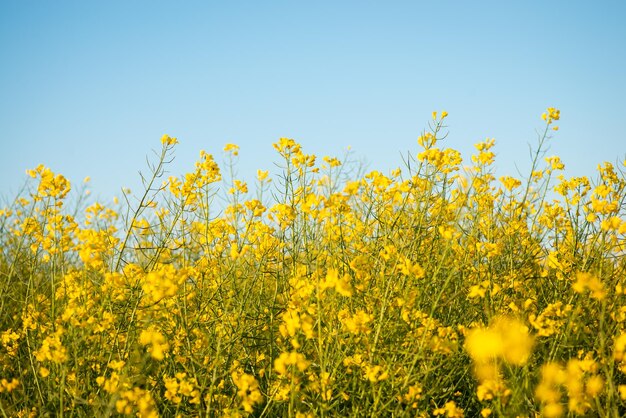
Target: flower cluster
{"type": "Point", "coordinates": [436, 289]}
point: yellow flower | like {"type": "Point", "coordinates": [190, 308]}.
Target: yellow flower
{"type": "Point", "coordinates": [261, 175]}
{"type": "Point", "coordinates": [232, 148]}
{"type": "Point", "coordinates": [375, 373]}
{"type": "Point", "coordinates": [551, 115]}
{"type": "Point", "coordinates": [332, 281]}
{"type": "Point", "coordinates": [450, 410]}
{"type": "Point", "coordinates": [52, 349]}
{"type": "Point", "coordinates": [555, 163]}
{"type": "Point", "coordinates": [510, 183]}
{"type": "Point", "coordinates": [591, 282]}
{"type": "Point", "coordinates": [594, 385]}
{"type": "Point", "coordinates": [357, 323]}
{"type": "Point", "coordinates": [506, 339]}
{"type": "Point", "coordinates": [285, 360]}
{"type": "Point", "coordinates": [484, 344]}
{"type": "Point", "coordinates": [477, 291]}
{"type": "Point", "coordinates": [8, 386]}
{"type": "Point", "coordinates": [552, 410]}
{"type": "Point", "coordinates": [168, 140]}
{"type": "Point", "coordinates": [155, 341]}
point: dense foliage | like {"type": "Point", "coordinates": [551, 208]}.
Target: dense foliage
{"type": "Point", "coordinates": [435, 290]}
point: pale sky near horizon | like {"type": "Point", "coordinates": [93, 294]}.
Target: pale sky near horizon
{"type": "Point", "coordinates": [88, 88]}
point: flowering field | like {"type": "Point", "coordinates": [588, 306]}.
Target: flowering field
{"type": "Point", "coordinates": [435, 290]}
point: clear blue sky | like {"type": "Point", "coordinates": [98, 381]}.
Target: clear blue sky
{"type": "Point", "coordinates": [88, 88]}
